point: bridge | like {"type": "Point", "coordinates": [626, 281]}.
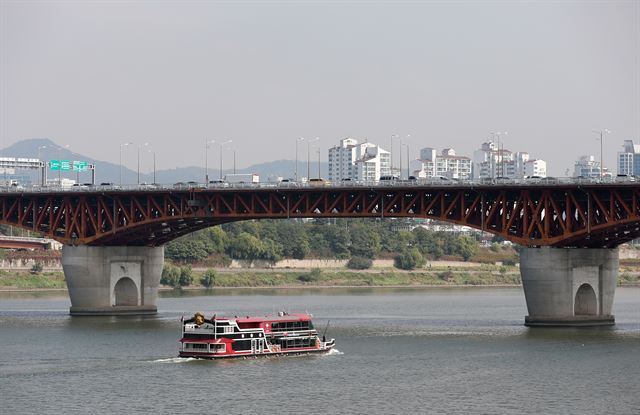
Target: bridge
{"type": "Point", "coordinates": [18, 242]}
{"type": "Point", "coordinates": [114, 236]}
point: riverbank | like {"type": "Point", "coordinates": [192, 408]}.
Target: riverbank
{"type": "Point", "coordinates": [316, 278]}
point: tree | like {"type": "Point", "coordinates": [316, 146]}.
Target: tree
{"type": "Point", "coordinates": [170, 275]}
{"type": "Point", "coordinates": [467, 247]}
{"type": "Point", "coordinates": [293, 239]}
{"type": "Point", "coordinates": [217, 237]}
{"type": "Point", "coordinates": [249, 247]}
{"type": "Point", "coordinates": [184, 250]}
{"type": "Point", "coordinates": [186, 276]}
{"type": "Point", "coordinates": [208, 278]}
{"type": "Point", "coordinates": [338, 239]}
{"type": "Point", "coordinates": [244, 246]}
{"type": "Point", "coordinates": [409, 259]}
{"type": "Point", "coordinates": [365, 241]}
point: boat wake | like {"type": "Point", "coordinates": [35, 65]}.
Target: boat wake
{"type": "Point", "coordinates": [175, 360]}
{"type": "Point", "coordinates": [334, 352]}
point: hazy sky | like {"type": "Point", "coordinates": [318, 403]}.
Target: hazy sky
{"type": "Point", "coordinates": [94, 74]}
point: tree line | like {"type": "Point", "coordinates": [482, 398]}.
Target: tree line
{"type": "Point", "coordinates": [358, 240]}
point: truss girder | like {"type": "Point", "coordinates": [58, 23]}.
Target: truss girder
{"type": "Point", "coordinates": [596, 216]}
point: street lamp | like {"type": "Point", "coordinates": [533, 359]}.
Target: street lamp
{"type": "Point", "coordinates": [206, 155]}
{"type": "Point", "coordinates": [391, 153]}
{"type": "Point", "coordinates": [407, 146]}
{"type": "Point", "coordinates": [499, 158]}
{"type": "Point", "coordinates": [234, 161]}
{"type": "Point", "coordinates": [154, 165]}
{"type": "Point", "coordinates": [221, 145]}
{"type": "Point", "coordinates": [309, 156]}
{"type": "Point", "coordinates": [43, 167]}
{"type": "Point", "coordinates": [297, 141]}
{"type": "Point", "coordinates": [139, 146]}
{"type": "Point", "coordinates": [40, 148]}
{"type": "Point", "coordinates": [121, 146]}
{"type": "Point", "coordinates": [601, 132]}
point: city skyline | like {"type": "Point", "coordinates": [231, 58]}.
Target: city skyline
{"type": "Point", "coordinates": [95, 75]}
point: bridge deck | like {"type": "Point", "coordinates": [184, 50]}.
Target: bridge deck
{"type": "Point", "coordinates": [531, 213]}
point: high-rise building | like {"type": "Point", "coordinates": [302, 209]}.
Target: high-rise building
{"type": "Point", "coordinates": [446, 164]}
{"type": "Point", "coordinates": [351, 160]}
{"type": "Point", "coordinates": [629, 159]}
{"type": "Point", "coordinates": [491, 162]}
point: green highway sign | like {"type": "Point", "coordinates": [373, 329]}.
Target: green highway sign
{"type": "Point", "coordinates": [80, 165]}
{"type": "Point", "coordinates": [66, 165]}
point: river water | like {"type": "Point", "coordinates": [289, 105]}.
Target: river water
{"type": "Point", "coordinates": [450, 351]}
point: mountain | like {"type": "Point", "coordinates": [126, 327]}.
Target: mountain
{"type": "Point", "coordinates": [46, 149]}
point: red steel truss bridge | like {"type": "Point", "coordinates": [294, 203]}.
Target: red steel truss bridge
{"type": "Point", "coordinates": [562, 215]}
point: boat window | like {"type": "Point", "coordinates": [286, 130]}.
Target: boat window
{"type": "Point", "coordinates": [217, 348]}
{"type": "Point", "coordinates": [241, 345]}
{"type": "Point", "coordinates": [195, 346]}
{"type": "Point", "coordinates": [224, 329]}
{"type": "Point", "coordinates": [291, 326]}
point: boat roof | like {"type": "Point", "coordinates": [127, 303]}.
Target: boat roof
{"type": "Point", "coordinates": [268, 318]}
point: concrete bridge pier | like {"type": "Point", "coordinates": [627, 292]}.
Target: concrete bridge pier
{"type": "Point", "coordinates": [569, 286]}
{"type": "Point", "coordinates": [112, 280]}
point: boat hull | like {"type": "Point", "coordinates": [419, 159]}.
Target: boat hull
{"type": "Point", "coordinates": [211, 356]}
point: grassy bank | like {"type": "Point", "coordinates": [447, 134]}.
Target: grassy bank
{"type": "Point", "coordinates": [253, 278]}
{"type": "Point", "coordinates": [317, 278]}
{"type": "Point", "coordinates": [27, 280]}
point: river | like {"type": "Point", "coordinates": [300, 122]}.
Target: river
{"type": "Point", "coordinates": [451, 351]}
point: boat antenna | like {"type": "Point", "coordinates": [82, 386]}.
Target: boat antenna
{"type": "Point", "coordinates": [325, 329]}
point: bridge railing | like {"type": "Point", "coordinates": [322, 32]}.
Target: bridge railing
{"type": "Point", "coordinates": [320, 184]}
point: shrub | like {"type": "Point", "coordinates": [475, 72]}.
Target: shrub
{"type": "Point", "coordinates": [208, 278]}
{"type": "Point", "coordinates": [409, 259]}
{"type": "Point", "coordinates": [186, 276]}
{"type": "Point", "coordinates": [312, 276]}
{"type": "Point", "coordinates": [359, 262]}
{"type": "Point", "coordinates": [37, 268]}
{"type": "Point", "coordinates": [170, 275]}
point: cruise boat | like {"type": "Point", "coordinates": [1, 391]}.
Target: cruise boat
{"type": "Point", "coordinates": [225, 337]}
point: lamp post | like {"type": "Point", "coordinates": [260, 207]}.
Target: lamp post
{"type": "Point", "coordinates": [407, 146]}
{"type": "Point", "coordinates": [297, 141]}
{"type": "Point", "coordinates": [121, 146]}
{"type": "Point", "coordinates": [309, 156]}
{"type": "Point", "coordinates": [154, 165]}
{"type": "Point", "coordinates": [499, 163]}
{"type": "Point", "coordinates": [221, 145]}
{"type": "Point", "coordinates": [206, 156]}
{"type": "Point", "coordinates": [43, 167]}
{"type": "Point", "coordinates": [319, 176]}
{"type": "Point", "coordinates": [391, 153]}
{"type": "Point", "coordinates": [601, 132]}
{"type": "Point", "coordinates": [40, 148]}
{"type": "Point", "coordinates": [140, 146]}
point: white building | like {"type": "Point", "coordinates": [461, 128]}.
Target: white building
{"type": "Point", "coordinates": [364, 161]}
{"type": "Point", "coordinates": [491, 162]}
{"type": "Point", "coordinates": [535, 168]}
{"type": "Point", "coordinates": [587, 166]}
{"type": "Point", "coordinates": [446, 164]}
{"type": "Point", "coordinates": [629, 159]}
